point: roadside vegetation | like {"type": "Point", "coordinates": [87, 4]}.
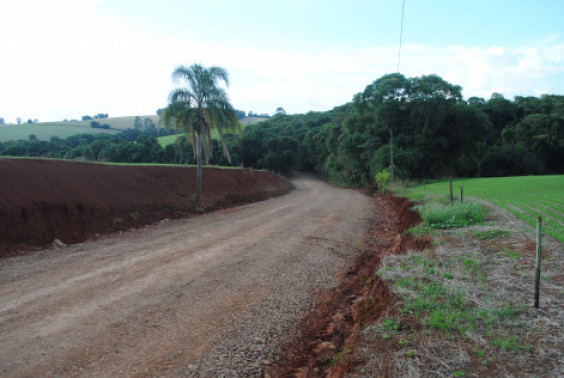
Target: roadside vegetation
{"type": "Point", "coordinates": [526, 197]}
{"type": "Point", "coordinates": [465, 306]}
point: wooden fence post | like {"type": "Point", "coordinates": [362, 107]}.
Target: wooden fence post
{"type": "Point", "coordinates": [451, 195]}
{"type": "Point", "coordinates": [461, 194]}
{"type": "Point", "coordinates": [538, 270]}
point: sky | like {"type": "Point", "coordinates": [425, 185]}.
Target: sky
{"type": "Point", "coordinates": [62, 59]}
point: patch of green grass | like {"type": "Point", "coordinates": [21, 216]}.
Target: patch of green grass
{"type": "Point", "coordinates": [444, 307]}
{"type": "Point", "coordinates": [439, 215]}
{"type": "Point", "coordinates": [168, 139]}
{"type": "Point", "coordinates": [469, 263]}
{"type": "Point", "coordinates": [390, 324]}
{"type": "Point", "coordinates": [511, 253]}
{"type": "Point", "coordinates": [507, 343]}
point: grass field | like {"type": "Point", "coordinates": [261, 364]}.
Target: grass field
{"type": "Point", "coordinates": [527, 197]}
{"type": "Point", "coordinates": [45, 130]}
{"type": "Point", "coordinates": [170, 139]}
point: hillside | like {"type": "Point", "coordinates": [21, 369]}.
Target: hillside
{"type": "Point", "coordinates": [43, 200]}
{"type": "Point", "coordinates": [45, 130]}
{"type": "Point", "coordinates": [251, 120]}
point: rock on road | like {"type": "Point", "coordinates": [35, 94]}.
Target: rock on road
{"type": "Point", "coordinates": [216, 294]}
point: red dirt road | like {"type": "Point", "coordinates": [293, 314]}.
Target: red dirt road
{"type": "Point", "coordinates": [217, 294]}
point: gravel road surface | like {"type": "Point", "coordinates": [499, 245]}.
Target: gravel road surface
{"type": "Point", "coordinates": [215, 295]}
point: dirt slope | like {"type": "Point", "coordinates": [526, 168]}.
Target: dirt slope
{"type": "Point", "coordinates": [43, 200]}
{"type": "Point", "coordinates": [218, 294]}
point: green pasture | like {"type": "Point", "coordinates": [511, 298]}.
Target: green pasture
{"type": "Point", "coordinates": [170, 139]}
{"type": "Point", "coordinates": [44, 131]}
{"type": "Point", "coordinates": [527, 197]}
{"type": "Point", "coordinates": [120, 123]}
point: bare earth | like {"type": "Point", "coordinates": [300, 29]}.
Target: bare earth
{"type": "Point", "coordinates": [217, 294]}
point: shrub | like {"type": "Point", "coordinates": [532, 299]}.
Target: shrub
{"type": "Point", "coordinates": [439, 215]}
{"type": "Point", "coordinates": [383, 180]}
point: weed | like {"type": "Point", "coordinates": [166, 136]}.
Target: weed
{"type": "Point", "coordinates": [470, 264]}
{"type": "Point", "coordinates": [508, 344]}
{"type": "Point", "coordinates": [458, 373]}
{"type": "Point", "coordinates": [492, 234]}
{"type": "Point", "coordinates": [383, 180]}
{"type": "Point", "coordinates": [511, 253]}
{"type": "Point", "coordinates": [391, 325]}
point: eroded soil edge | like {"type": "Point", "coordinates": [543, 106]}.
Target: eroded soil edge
{"type": "Point", "coordinates": [330, 333]}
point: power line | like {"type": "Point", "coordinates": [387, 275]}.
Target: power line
{"type": "Point", "coordinates": [401, 34]}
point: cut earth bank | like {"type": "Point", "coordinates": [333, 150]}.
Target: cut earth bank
{"type": "Point", "coordinates": [46, 200]}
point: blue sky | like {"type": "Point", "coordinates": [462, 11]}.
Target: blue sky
{"type": "Point", "coordinates": [67, 58]}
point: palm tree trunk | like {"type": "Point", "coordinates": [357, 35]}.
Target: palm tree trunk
{"type": "Point", "coordinates": [199, 172]}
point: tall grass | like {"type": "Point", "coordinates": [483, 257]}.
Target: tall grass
{"type": "Point", "coordinates": [440, 215]}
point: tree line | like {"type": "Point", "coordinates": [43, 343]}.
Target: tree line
{"type": "Point", "coordinates": [432, 130]}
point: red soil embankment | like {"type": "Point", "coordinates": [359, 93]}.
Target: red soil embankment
{"type": "Point", "coordinates": [44, 200]}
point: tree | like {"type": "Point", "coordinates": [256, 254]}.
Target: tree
{"type": "Point", "coordinates": [2, 122]}
{"type": "Point", "coordinates": [240, 114]}
{"type": "Point", "coordinates": [137, 123]}
{"type": "Point", "coordinates": [280, 111]}
{"type": "Point", "coordinates": [198, 108]}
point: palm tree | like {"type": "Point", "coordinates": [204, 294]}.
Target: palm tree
{"type": "Point", "coordinates": [197, 109]}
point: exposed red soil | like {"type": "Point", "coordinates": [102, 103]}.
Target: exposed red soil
{"type": "Point", "coordinates": [330, 333]}
{"type": "Point", "coordinates": [44, 200]}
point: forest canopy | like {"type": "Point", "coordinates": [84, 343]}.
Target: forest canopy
{"type": "Point", "coordinates": [436, 133]}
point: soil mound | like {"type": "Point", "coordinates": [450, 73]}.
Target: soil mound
{"type": "Point", "coordinates": [45, 200]}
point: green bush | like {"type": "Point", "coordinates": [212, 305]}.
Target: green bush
{"type": "Point", "coordinates": [383, 180]}
{"type": "Point", "coordinates": [439, 215]}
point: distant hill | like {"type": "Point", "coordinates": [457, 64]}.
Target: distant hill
{"type": "Point", "coordinates": [252, 119]}
{"type": "Point", "coordinates": [46, 130]}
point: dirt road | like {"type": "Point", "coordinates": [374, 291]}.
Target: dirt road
{"type": "Point", "coordinates": [215, 294]}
